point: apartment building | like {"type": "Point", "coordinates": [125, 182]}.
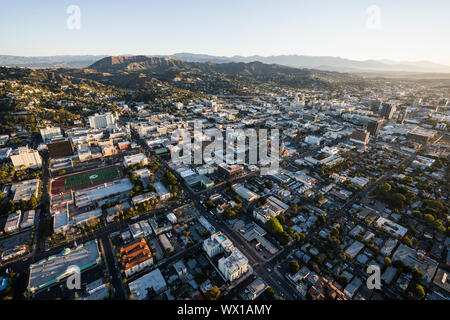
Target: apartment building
{"type": "Point", "coordinates": [136, 256]}
{"type": "Point", "coordinates": [102, 121]}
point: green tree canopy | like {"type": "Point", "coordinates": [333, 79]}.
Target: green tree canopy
{"type": "Point", "coordinates": [213, 293]}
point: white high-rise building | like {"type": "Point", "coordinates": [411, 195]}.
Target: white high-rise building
{"type": "Point", "coordinates": [102, 121]}
{"type": "Point", "coordinates": [23, 158]}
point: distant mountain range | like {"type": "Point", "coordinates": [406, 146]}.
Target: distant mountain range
{"type": "Point", "coordinates": [49, 61]}
{"type": "Point", "coordinates": [296, 61]}
{"type": "Point", "coordinates": [325, 63]}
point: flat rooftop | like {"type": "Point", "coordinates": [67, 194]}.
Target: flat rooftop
{"type": "Point", "coordinates": [153, 280]}
{"type": "Point", "coordinates": [25, 189]}
{"type": "Point", "coordinates": [57, 267]}
{"type": "Point", "coordinates": [415, 259]}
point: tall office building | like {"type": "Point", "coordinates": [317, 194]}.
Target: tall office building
{"type": "Point", "coordinates": [402, 115]}
{"type": "Point", "coordinates": [360, 136]}
{"type": "Point", "coordinates": [374, 127]}
{"type": "Point", "coordinates": [387, 111]}
{"type": "Point", "coordinates": [443, 103]}
{"type": "Point", "coordinates": [102, 121]}
{"type": "Point", "coordinates": [374, 105]}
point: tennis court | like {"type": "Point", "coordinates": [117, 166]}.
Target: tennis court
{"type": "Point", "coordinates": [91, 177]}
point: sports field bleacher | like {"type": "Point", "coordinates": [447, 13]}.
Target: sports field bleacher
{"type": "Point", "coordinates": [87, 178]}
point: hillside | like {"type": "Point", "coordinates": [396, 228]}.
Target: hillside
{"type": "Point", "coordinates": [138, 63]}
{"type": "Point", "coordinates": [167, 69]}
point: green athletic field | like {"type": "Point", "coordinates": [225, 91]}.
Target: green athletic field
{"type": "Point", "coordinates": [85, 178]}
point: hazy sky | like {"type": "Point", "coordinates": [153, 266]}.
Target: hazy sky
{"type": "Point", "coordinates": [407, 30]}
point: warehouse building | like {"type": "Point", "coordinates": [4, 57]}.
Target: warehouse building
{"type": "Point", "coordinates": [153, 281]}
{"type": "Point", "coordinates": [58, 267]}
{"type": "Point", "coordinates": [25, 189]}
{"type": "Point", "coordinates": [161, 190]}
{"type": "Point", "coordinates": [12, 222]}
{"type": "Point", "coordinates": [167, 246]}
{"type": "Point", "coordinates": [244, 193]}
{"type": "Point", "coordinates": [28, 219]}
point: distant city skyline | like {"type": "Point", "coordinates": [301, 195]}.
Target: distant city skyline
{"type": "Point", "coordinates": [358, 30]}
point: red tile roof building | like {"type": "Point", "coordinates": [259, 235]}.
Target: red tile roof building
{"type": "Point", "coordinates": [325, 290]}
{"type": "Point", "coordinates": [136, 256]}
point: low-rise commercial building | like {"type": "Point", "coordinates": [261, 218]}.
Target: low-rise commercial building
{"type": "Point", "coordinates": [24, 190]}
{"type": "Point", "coordinates": [230, 170]}
{"type": "Point", "coordinates": [254, 289]}
{"type": "Point", "coordinates": [58, 267]}
{"type": "Point", "coordinates": [167, 246]}
{"type": "Point", "coordinates": [60, 221]}
{"type": "Point", "coordinates": [13, 221]}
{"type": "Point", "coordinates": [416, 260]}
{"type": "Point", "coordinates": [28, 219]}
{"type": "Point", "coordinates": [152, 281]}
{"type": "Point", "coordinates": [162, 192]}
{"type": "Point", "coordinates": [272, 208]}
{"type": "Point", "coordinates": [244, 193]}
{"type": "Point", "coordinates": [138, 158]}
